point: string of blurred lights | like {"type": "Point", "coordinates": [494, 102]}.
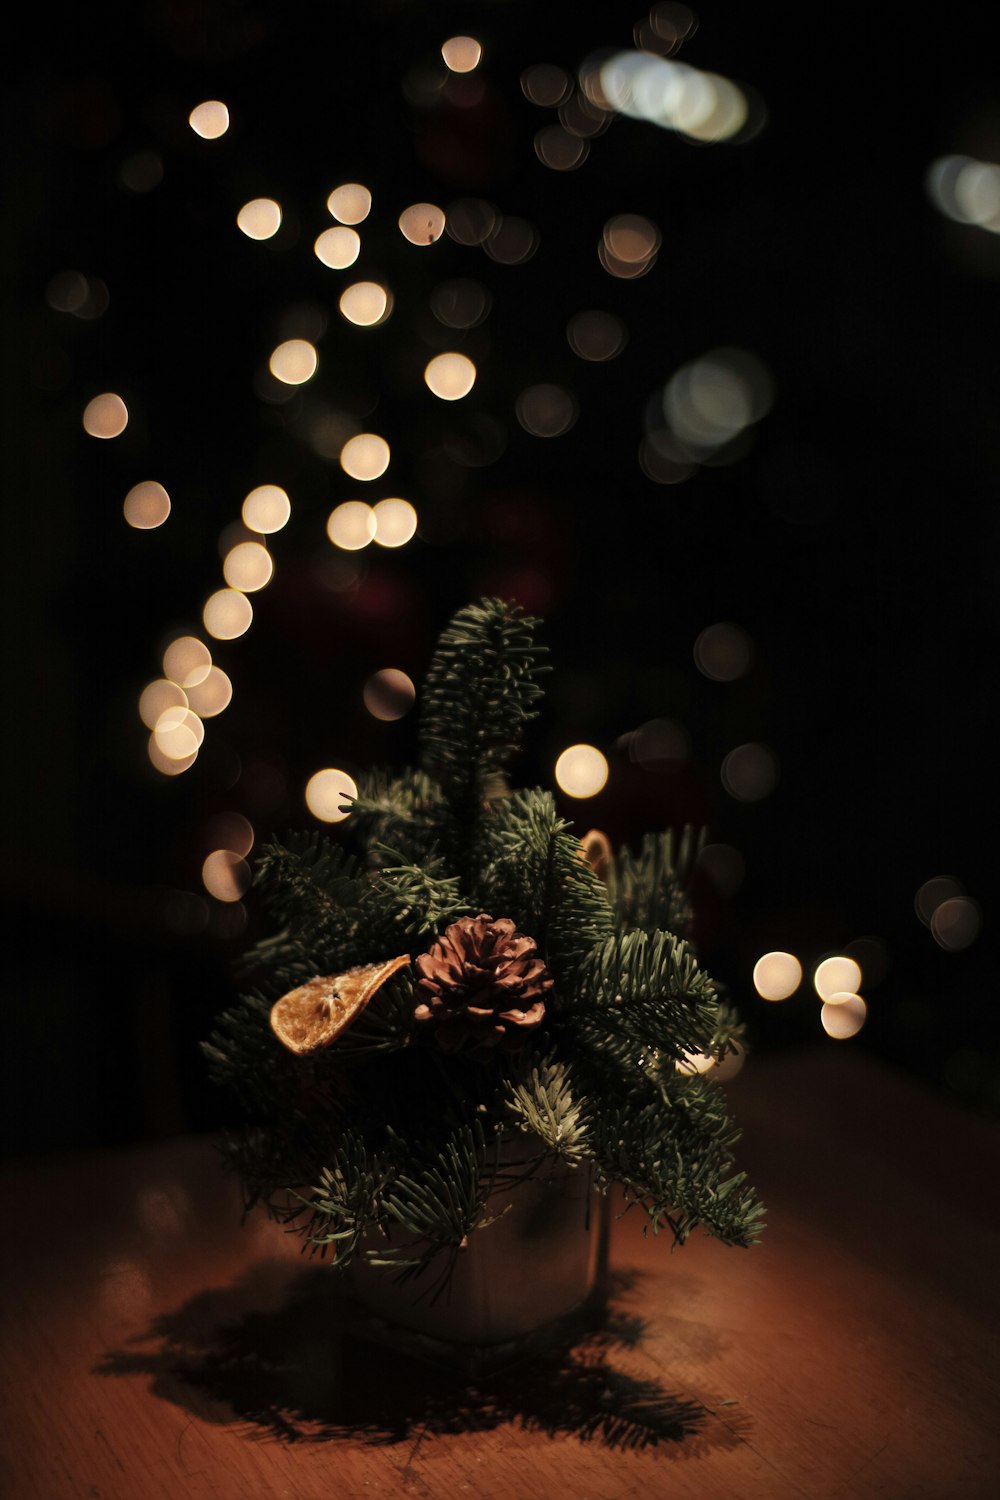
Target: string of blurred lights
{"type": "Point", "coordinates": [704, 413]}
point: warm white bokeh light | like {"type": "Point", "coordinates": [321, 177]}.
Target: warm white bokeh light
{"type": "Point", "coordinates": [165, 764]}
{"type": "Point", "coordinates": [461, 53]}
{"type": "Point", "coordinates": [956, 923]}
{"type": "Point", "coordinates": [352, 525]}
{"type": "Point", "coordinates": [227, 614]}
{"type": "Point", "coordinates": [226, 875]}
{"type": "Point", "coordinates": [581, 771]}
{"type": "Point", "coordinates": [293, 362]}
{"type": "Point", "coordinates": [230, 830]}
{"type": "Point", "coordinates": [546, 411]}
{"type": "Point", "coordinates": [365, 303]}
{"type": "Point", "coordinates": [844, 1019]}
{"type": "Point", "coordinates": [187, 661]}
{"type": "Point", "coordinates": [326, 790]}
{"type": "Point", "coordinates": [350, 203]}
{"type": "Point", "coordinates": [777, 975]}
{"type": "Point", "coordinates": [209, 120]}
{"type": "Point", "coordinates": [931, 894]}
{"type": "Point", "coordinates": [106, 416]}
{"type": "Point", "coordinates": [179, 733]}
{"type": "Point", "coordinates": [337, 248]}
{"type": "Point", "coordinates": [836, 976]}
{"type": "Point", "coordinates": [422, 223]}
{"type": "Point", "coordinates": [248, 567]}
{"type": "Point", "coordinates": [146, 505]}
{"type": "Point", "coordinates": [722, 652]}
{"type": "Point", "coordinates": [156, 697]}
{"type": "Point", "coordinates": [395, 522]}
{"type": "Point", "coordinates": [695, 1062]}
{"type": "Point", "coordinates": [450, 376]}
{"type": "Point", "coordinates": [266, 509]}
{"type": "Point", "coordinates": [389, 694]}
{"type": "Point", "coordinates": [750, 772]}
{"type": "Point", "coordinates": [365, 456]}
{"type": "Point", "coordinates": [210, 697]}
{"type": "Point", "coordinates": [259, 219]}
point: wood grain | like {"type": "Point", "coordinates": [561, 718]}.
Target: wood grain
{"type": "Point", "coordinates": [158, 1350]}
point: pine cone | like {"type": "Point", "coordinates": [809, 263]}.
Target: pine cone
{"type": "Point", "coordinates": [483, 985]}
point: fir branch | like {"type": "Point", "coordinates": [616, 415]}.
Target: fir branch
{"type": "Point", "coordinates": [478, 697]}
{"type": "Point", "coordinates": [671, 1152]}
{"type": "Point", "coordinates": [647, 891]}
{"type": "Point", "coordinates": [437, 1201]}
{"type": "Point", "coordinates": [533, 870]}
{"type": "Point", "coordinates": [646, 991]}
{"type": "Point", "coordinates": [311, 886]}
{"type": "Point", "coordinates": [406, 906]}
{"type": "Point", "coordinates": [405, 810]}
{"type": "Point", "coordinates": [540, 1096]}
{"type": "Point", "coordinates": [342, 1204]}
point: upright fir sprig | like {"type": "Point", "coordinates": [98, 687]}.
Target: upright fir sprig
{"type": "Point", "coordinates": [479, 695]}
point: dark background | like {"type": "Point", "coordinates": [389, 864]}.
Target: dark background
{"type": "Point", "coordinates": [853, 537]}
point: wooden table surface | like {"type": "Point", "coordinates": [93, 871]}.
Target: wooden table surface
{"type": "Point", "coordinates": [152, 1348]}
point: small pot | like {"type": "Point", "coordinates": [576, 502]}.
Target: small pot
{"type": "Point", "coordinates": [516, 1285]}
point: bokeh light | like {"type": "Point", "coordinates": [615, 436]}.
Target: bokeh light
{"type": "Point", "coordinates": [389, 694]}
{"type": "Point", "coordinates": [422, 223]}
{"type": "Point", "coordinates": [724, 866]}
{"type": "Point", "coordinates": [168, 765]}
{"type": "Point", "coordinates": [106, 416]}
{"type": "Point", "coordinates": [365, 303]}
{"type": "Point", "coordinates": [156, 697]}
{"type": "Point", "coordinates": [845, 1019]}
{"type": "Point", "coordinates": [266, 509]}
{"type": "Point", "coordinates": [187, 661]}
{"type": "Point", "coordinates": [777, 975]}
{"type": "Point", "coordinates": [546, 411]}
{"type": "Point", "coordinates": [511, 241]}
{"type": "Point", "coordinates": [956, 923]}
{"type": "Point", "coordinates": [581, 771]}
{"type": "Point", "coordinates": [460, 303]}
{"type": "Point", "coordinates": [710, 401]}
{"type": "Point", "coordinates": [556, 148]}
{"type": "Point", "coordinates": [230, 830]}
{"type": "Point", "coordinates": [226, 875]}
{"type": "Point", "coordinates": [722, 652]}
{"type": "Point", "coordinates": [395, 522]}
{"type": "Point", "coordinates": [210, 697]}
{"type": "Point", "coordinates": [209, 120]}
{"type": "Point", "coordinates": [260, 219]}
{"type": "Point", "coordinates": [350, 203]}
{"type": "Point", "coordinates": [450, 376]}
{"type": "Point", "coordinates": [471, 221]}
{"type": "Point", "coordinates": [671, 95]}
{"type": "Point", "coordinates": [836, 976]}
{"type": "Point", "coordinates": [352, 525]}
{"type": "Point", "coordinates": [966, 190]}
{"type": "Point", "coordinates": [663, 460]}
{"type": "Point", "coordinates": [461, 53]}
{"type": "Point", "coordinates": [326, 790]}
{"type": "Point", "coordinates": [932, 893]}
{"type": "Point", "coordinates": [596, 336]}
{"type": "Point", "coordinates": [248, 567]}
{"type": "Point", "coordinates": [631, 238]}
{"type": "Point", "coordinates": [179, 733]}
{"type": "Point", "coordinates": [750, 772]}
{"type": "Point", "coordinates": [227, 614]}
{"type": "Point", "coordinates": [338, 247]}
{"type": "Point", "coordinates": [293, 362]}
{"type": "Point", "coordinates": [67, 291]}
{"type": "Point", "coordinates": [365, 456]}
{"type": "Point", "coordinates": [659, 744]}
{"type": "Point", "coordinates": [546, 84]}
{"type": "Point", "coordinates": [146, 506]}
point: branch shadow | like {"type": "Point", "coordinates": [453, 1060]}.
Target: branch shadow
{"type": "Point", "coordinates": [293, 1371]}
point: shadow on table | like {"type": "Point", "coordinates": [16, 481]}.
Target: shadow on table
{"type": "Point", "coordinates": [291, 1372]}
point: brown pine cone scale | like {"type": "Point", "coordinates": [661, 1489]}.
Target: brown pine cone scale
{"type": "Point", "coordinates": [483, 985]}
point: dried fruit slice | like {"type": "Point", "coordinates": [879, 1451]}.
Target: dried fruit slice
{"type": "Point", "coordinates": [314, 1014]}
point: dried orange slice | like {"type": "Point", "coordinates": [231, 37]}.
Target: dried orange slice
{"type": "Point", "coordinates": [314, 1014]}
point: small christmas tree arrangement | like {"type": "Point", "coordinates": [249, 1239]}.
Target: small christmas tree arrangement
{"type": "Point", "coordinates": [470, 974]}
